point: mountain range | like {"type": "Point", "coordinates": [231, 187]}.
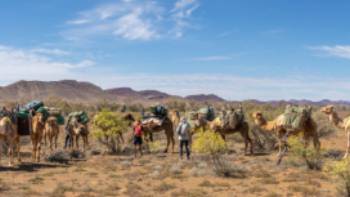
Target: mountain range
{"type": "Point", "coordinates": [86, 92]}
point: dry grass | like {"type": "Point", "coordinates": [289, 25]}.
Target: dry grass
{"type": "Point", "coordinates": [158, 174]}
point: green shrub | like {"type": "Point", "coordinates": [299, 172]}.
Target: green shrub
{"type": "Point", "coordinates": [108, 127]}
{"type": "Point", "coordinates": [209, 142]}
{"type": "Point", "coordinates": [311, 157]}
{"type": "Point", "coordinates": [342, 170]}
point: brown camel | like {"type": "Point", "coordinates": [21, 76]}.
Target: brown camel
{"type": "Point", "coordinates": [279, 127]}
{"type": "Point", "coordinates": [153, 125]}
{"type": "Point", "coordinates": [217, 125]}
{"type": "Point", "coordinates": [339, 123]}
{"type": "Point", "coordinates": [52, 130]}
{"type": "Point", "coordinates": [9, 135]}
{"type": "Point", "coordinates": [77, 130]}
{"type": "Point", "coordinates": [38, 124]}
{"type": "Point", "coordinates": [175, 118]}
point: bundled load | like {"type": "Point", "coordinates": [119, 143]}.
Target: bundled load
{"type": "Point", "coordinates": [232, 118]}
{"type": "Point", "coordinates": [33, 105]}
{"type": "Point", "coordinates": [23, 121]}
{"type": "Point", "coordinates": [294, 117]}
{"type": "Point", "coordinates": [81, 116]}
{"type": "Point", "coordinates": [159, 111]}
{"type": "Point", "coordinates": [207, 112]}
{"type": "Point", "coordinates": [151, 122]}
{"type": "Point", "coordinates": [50, 111]}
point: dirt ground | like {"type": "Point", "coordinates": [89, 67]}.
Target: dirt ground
{"type": "Point", "coordinates": [158, 174]}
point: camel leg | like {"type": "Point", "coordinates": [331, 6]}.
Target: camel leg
{"type": "Point", "coordinates": [10, 153]}
{"type": "Point", "coordinates": [18, 149]}
{"type": "Point", "coordinates": [173, 143]}
{"type": "Point", "coordinates": [77, 142]}
{"type": "Point", "coordinates": [85, 142]}
{"type": "Point", "coordinates": [1, 146]}
{"type": "Point", "coordinates": [38, 151]}
{"type": "Point", "coordinates": [51, 142]}
{"type": "Point", "coordinates": [316, 142]}
{"type": "Point", "coordinates": [45, 135]}
{"type": "Point", "coordinates": [34, 143]}
{"type": "Point", "coordinates": [56, 139]}
{"type": "Point", "coordinates": [348, 146]}
{"type": "Point", "coordinates": [167, 144]}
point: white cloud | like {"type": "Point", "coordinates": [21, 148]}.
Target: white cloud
{"type": "Point", "coordinates": [18, 64]}
{"type": "Point", "coordinates": [133, 27]}
{"type": "Point", "coordinates": [212, 58]}
{"type": "Point", "coordinates": [132, 20]}
{"type": "Point", "coordinates": [182, 11]}
{"type": "Point", "coordinates": [45, 51]}
{"type": "Point", "coordinates": [341, 51]}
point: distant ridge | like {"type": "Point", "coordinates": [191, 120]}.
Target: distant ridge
{"type": "Point", "coordinates": [205, 97]}
{"type": "Point", "coordinates": [86, 92]}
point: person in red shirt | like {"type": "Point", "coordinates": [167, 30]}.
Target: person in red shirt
{"type": "Point", "coordinates": [138, 137]}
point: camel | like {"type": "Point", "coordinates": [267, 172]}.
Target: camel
{"type": "Point", "coordinates": [9, 135]}
{"type": "Point", "coordinates": [339, 123]}
{"type": "Point", "coordinates": [38, 127]}
{"type": "Point", "coordinates": [278, 127]}
{"type": "Point", "coordinates": [243, 128]}
{"type": "Point", "coordinates": [52, 130]}
{"type": "Point", "coordinates": [150, 127]}
{"type": "Point", "coordinates": [77, 130]}
{"type": "Point", "coordinates": [175, 118]}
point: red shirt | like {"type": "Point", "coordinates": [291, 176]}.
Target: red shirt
{"type": "Point", "coordinates": [138, 130]}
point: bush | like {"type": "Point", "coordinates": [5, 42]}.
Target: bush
{"type": "Point", "coordinates": [209, 142]}
{"type": "Point", "coordinates": [212, 143]}
{"type": "Point", "coordinates": [311, 157]}
{"type": "Point", "coordinates": [108, 127]}
{"type": "Point", "coordinates": [342, 170]}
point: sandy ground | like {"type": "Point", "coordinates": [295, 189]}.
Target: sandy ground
{"type": "Point", "coordinates": [158, 174]}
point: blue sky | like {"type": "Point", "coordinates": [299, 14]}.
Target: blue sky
{"type": "Point", "coordinates": [238, 49]}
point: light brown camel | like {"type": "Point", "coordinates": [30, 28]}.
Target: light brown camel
{"type": "Point", "coordinates": [339, 123]}
{"type": "Point", "coordinates": [175, 118]}
{"type": "Point", "coordinates": [77, 130]}
{"type": "Point", "coordinates": [38, 127]}
{"type": "Point", "coordinates": [52, 130]}
{"type": "Point", "coordinates": [153, 125]}
{"type": "Point", "coordinates": [9, 135]}
{"type": "Point", "coordinates": [308, 128]}
{"type": "Point", "coordinates": [242, 127]}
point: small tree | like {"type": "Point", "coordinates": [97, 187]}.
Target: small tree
{"type": "Point", "coordinates": [108, 129]}
{"type": "Point", "coordinates": [209, 142]}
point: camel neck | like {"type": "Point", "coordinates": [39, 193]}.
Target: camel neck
{"type": "Point", "coordinates": [336, 120]}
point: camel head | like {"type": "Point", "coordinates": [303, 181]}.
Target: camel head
{"type": "Point", "coordinates": [328, 110]}
{"type": "Point", "coordinates": [258, 118]}
{"type": "Point", "coordinates": [40, 118]}
{"type": "Point", "coordinates": [77, 127]}
{"type": "Point", "coordinates": [306, 112]}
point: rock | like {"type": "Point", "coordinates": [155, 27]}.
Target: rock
{"type": "Point", "coordinates": [195, 171]}
{"type": "Point", "coordinates": [59, 157]}
{"type": "Point", "coordinates": [155, 174]}
{"type": "Point", "coordinates": [126, 163]}
{"type": "Point", "coordinates": [176, 168]}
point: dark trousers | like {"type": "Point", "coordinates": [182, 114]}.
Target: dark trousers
{"type": "Point", "coordinates": [182, 144]}
{"type": "Point", "coordinates": [68, 142]}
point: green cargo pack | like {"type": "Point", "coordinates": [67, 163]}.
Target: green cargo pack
{"type": "Point", "coordinates": [293, 116]}
{"type": "Point", "coordinates": [208, 112]}
{"type": "Point", "coordinates": [81, 115]}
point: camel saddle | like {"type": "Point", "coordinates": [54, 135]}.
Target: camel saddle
{"type": "Point", "coordinates": [152, 121]}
